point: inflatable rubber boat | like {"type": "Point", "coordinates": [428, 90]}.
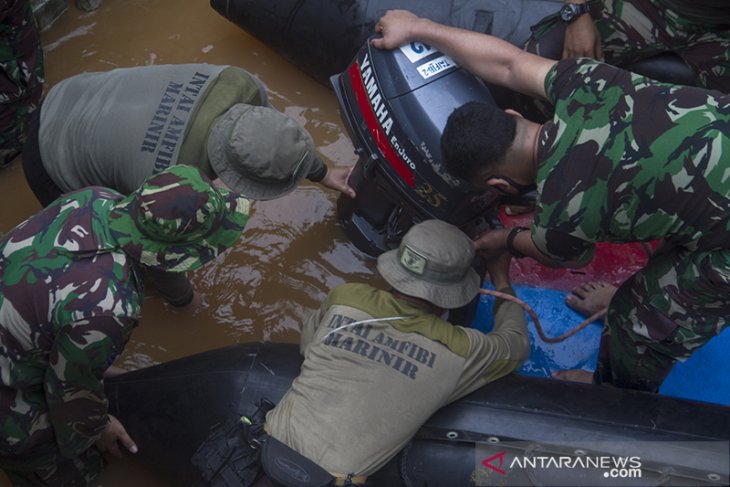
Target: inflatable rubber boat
{"type": "Point", "coordinates": [322, 36]}
{"type": "Point", "coordinates": [516, 431]}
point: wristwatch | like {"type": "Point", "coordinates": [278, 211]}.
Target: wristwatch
{"type": "Point", "coordinates": [571, 11]}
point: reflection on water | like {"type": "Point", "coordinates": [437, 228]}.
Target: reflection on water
{"type": "Point", "coordinates": [290, 256]}
{"type": "Point", "coordinates": [292, 251]}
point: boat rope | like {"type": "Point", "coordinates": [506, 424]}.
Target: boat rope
{"type": "Point", "coordinates": [533, 315]}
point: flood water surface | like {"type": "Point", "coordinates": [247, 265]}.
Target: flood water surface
{"type": "Point", "coordinates": [292, 251]}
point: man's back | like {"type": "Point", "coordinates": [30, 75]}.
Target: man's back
{"type": "Point", "coordinates": [376, 367]}
{"type": "Point", "coordinates": [629, 159]}
{"type": "Point", "coordinates": [118, 127]}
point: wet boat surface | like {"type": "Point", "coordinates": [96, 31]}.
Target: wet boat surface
{"type": "Point", "coordinates": [527, 413]}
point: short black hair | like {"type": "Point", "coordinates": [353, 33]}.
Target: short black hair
{"type": "Point", "coordinates": [476, 139]}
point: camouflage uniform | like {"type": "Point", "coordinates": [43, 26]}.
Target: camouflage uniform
{"type": "Point", "coordinates": [632, 30]}
{"type": "Point", "coordinates": [56, 345]}
{"type": "Point", "coordinates": [628, 159]}
{"type": "Point", "coordinates": [635, 29]}
{"type": "Point", "coordinates": [21, 74]}
{"type": "Point", "coordinates": [70, 295]}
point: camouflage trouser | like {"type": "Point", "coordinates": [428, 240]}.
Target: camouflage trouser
{"type": "Point", "coordinates": [662, 314]}
{"type": "Point", "coordinates": [21, 75]}
{"type": "Point", "coordinates": [29, 454]}
{"type": "Point", "coordinates": [50, 469]}
{"type": "Point", "coordinates": [631, 30]}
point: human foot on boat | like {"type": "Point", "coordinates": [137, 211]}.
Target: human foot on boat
{"type": "Point", "coordinates": [574, 375]}
{"type": "Point", "coordinates": [591, 297]}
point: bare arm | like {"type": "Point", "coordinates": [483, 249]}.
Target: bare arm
{"type": "Point", "coordinates": [506, 347]}
{"type": "Point", "coordinates": [488, 57]}
{"type": "Point", "coordinates": [523, 243]}
{"type": "Point", "coordinates": [493, 242]}
{"type": "Point", "coordinates": [498, 269]}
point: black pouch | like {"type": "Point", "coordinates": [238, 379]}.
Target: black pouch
{"type": "Point", "coordinates": [229, 457]}
{"type": "Point", "coordinates": [285, 467]}
{"type": "Point", "coordinates": [226, 459]}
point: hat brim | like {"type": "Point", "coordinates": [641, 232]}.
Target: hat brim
{"type": "Point", "coordinates": [178, 256]}
{"type": "Point", "coordinates": [447, 296]}
{"type": "Point", "coordinates": [225, 170]}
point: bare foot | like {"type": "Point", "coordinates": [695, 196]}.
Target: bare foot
{"type": "Point", "coordinates": [591, 297]}
{"type": "Point", "coordinates": [574, 375]}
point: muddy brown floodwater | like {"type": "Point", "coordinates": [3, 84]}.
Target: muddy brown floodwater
{"type": "Point", "coordinates": [292, 251]}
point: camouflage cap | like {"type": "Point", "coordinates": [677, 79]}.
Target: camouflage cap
{"type": "Point", "coordinates": [176, 221]}
{"type": "Point", "coordinates": [433, 262]}
{"type": "Point", "coordinates": [259, 152]}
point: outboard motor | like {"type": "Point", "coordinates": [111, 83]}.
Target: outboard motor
{"type": "Point", "coordinates": [395, 105]}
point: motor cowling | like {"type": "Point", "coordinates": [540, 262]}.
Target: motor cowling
{"type": "Point", "coordinates": [395, 105]}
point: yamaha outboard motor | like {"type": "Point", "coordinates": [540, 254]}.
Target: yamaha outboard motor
{"type": "Point", "coordinates": [395, 105]}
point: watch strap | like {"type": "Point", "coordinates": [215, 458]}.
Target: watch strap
{"type": "Point", "coordinates": [576, 10]}
{"type": "Point", "coordinates": [511, 241]}
{"type": "Point", "coordinates": [582, 9]}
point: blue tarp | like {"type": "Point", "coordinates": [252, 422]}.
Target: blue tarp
{"type": "Point", "coordinates": [704, 377]}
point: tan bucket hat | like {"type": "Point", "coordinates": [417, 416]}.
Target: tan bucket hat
{"type": "Point", "coordinates": [433, 262]}
{"type": "Point", "coordinates": [259, 152]}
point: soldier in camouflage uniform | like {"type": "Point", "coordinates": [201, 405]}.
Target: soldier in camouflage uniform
{"type": "Point", "coordinates": [70, 295]}
{"type": "Point", "coordinates": [621, 32]}
{"type": "Point", "coordinates": [624, 159]}
{"type": "Point", "coordinates": [21, 74]}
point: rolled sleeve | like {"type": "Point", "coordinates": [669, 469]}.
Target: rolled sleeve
{"type": "Point", "coordinates": [74, 389]}
{"type": "Point", "coordinates": [563, 248]}
{"type": "Point", "coordinates": [318, 171]}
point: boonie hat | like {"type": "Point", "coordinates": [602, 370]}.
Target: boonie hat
{"type": "Point", "coordinates": [259, 152]}
{"type": "Point", "coordinates": [176, 221]}
{"type": "Point", "coordinates": [433, 262]}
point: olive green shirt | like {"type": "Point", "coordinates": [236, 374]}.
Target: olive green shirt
{"type": "Point", "coordinates": [365, 389]}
